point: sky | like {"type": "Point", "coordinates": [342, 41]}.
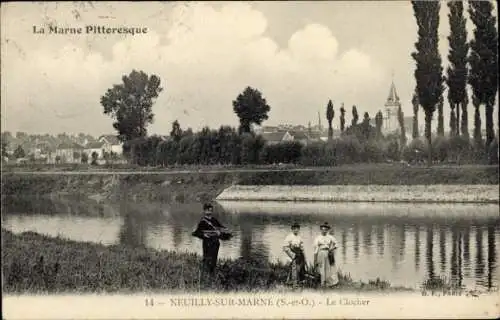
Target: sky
{"type": "Point", "coordinates": [298, 54]}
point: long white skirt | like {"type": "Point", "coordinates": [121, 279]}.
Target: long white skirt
{"type": "Point", "coordinates": [328, 272]}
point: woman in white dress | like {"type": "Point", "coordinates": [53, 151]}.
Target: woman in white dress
{"type": "Point", "coordinates": [324, 246]}
{"type": "Point", "coordinates": [294, 248]}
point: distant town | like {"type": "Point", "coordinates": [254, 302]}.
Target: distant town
{"type": "Point", "coordinates": [21, 147]}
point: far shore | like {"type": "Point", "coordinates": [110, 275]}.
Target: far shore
{"type": "Point", "coordinates": [351, 183]}
{"type": "Point", "coordinates": [365, 193]}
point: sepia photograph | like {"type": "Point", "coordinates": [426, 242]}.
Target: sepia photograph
{"type": "Point", "coordinates": [250, 159]}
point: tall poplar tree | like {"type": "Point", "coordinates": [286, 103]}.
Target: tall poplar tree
{"type": "Point", "coordinates": [329, 117]}
{"type": "Point", "coordinates": [456, 79]}
{"type": "Point", "coordinates": [414, 101]}
{"type": "Point", "coordinates": [429, 72]}
{"type": "Point", "coordinates": [483, 61]}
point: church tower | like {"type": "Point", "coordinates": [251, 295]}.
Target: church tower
{"type": "Point", "coordinates": [392, 104]}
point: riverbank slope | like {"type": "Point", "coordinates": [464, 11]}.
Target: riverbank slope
{"type": "Point", "coordinates": [34, 263]}
{"type": "Point", "coordinates": [202, 185]}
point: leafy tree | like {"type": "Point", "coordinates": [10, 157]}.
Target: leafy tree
{"type": "Point", "coordinates": [4, 147]}
{"type": "Point", "coordinates": [355, 116]}
{"type": "Point", "coordinates": [130, 104]}
{"type": "Point", "coordinates": [457, 70]}
{"type": "Point", "coordinates": [401, 120]}
{"type": "Point", "coordinates": [94, 156]}
{"type": "Point", "coordinates": [251, 147]}
{"type": "Point", "coordinates": [428, 73]}
{"type": "Point", "coordinates": [366, 126]}
{"type": "Point", "coordinates": [21, 135]}
{"type": "Point", "coordinates": [251, 108]}
{"type": "Point", "coordinates": [19, 152]}
{"type": "Point", "coordinates": [84, 158]}
{"type": "Point", "coordinates": [76, 155]}
{"type": "Point", "coordinates": [414, 101]}
{"type": "Point", "coordinates": [483, 60]}
{"type": "Point", "coordinates": [176, 132]}
{"type": "Point", "coordinates": [440, 126]}
{"type": "Point", "coordinates": [342, 118]}
{"type": "Point", "coordinates": [58, 159]}
{"type": "Point", "coordinates": [329, 116]}
{"type": "Point", "coordinates": [379, 122]}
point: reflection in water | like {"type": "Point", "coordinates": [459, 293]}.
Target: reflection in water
{"type": "Point", "coordinates": [380, 240]}
{"type": "Point", "coordinates": [367, 238]}
{"type": "Point", "coordinates": [442, 249]}
{"type": "Point", "coordinates": [456, 256]}
{"type": "Point", "coordinates": [177, 232]}
{"type": "Point", "coordinates": [344, 242]}
{"type": "Point", "coordinates": [491, 256]}
{"type": "Point", "coordinates": [430, 252]}
{"type": "Point", "coordinates": [246, 239]}
{"type": "Point", "coordinates": [466, 239]}
{"type": "Point", "coordinates": [479, 254]}
{"type": "Point", "coordinates": [417, 247]}
{"type": "Point", "coordinates": [134, 229]}
{"type": "Point", "coordinates": [373, 242]}
{"type": "Point", "coordinates": [356, 241]}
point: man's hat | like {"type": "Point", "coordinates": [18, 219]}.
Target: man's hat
{"type": "Point", "coordinates": [295, 226]}
{"type": "Point", "coordinates": [325, 225]}
{"type": "Point", "coordinates": [208, 206]}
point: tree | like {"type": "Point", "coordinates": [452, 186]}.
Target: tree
{"type": "Point", "coordinates": [176, 132]}
{"type": "Point", "coordinates": [355, 116]}
{"type": "Point", "coordinates": [483, 60]}
{"type": "Point", "coordinates": [94, 156]}
{"type": "Point", "coordinates": [453, 118]}
{"type": "Point", "coordinates": [401, 120]}
{"type": "Point", "coordinates": [342, 118]}
{"type": "Point", "coordinates": [19, 152]}
{"type": "Point", "coordinates": [329, 116]}
{"type": "Point", "coordinates": [4, 148]}
{"type": "Point", "coordinates": [130, 104]}
{"type": "Point", "coordinates": [76, 155]}
{"type": "Point", "coordinates": [414, 101]}
{"type": "Point", "coordinates": [366, 126]}
{"type": "Point", "coordinates": [464, 126]}
{"type": "Point", "coordinates": [478, 139]}
{"type": "Point", "coordinates": [440, 126]}
{"type": "Point", "coordinates": [428, 73]}
{"type": "Point", "coordinates": [250, 107]}
{"type": "Point", "coordinates": [457, 70]}
{"type": "Point", "coordinates": [84, 158]}
{"type": "Point", "coordinates": [379, 122]}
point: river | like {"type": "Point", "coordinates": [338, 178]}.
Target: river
{"type": "Point", "coordinates": [401, 243]}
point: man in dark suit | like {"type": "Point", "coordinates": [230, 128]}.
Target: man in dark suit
{"type": "Point", "coordinates": [209, 230]}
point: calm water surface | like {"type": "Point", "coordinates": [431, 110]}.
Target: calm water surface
{"type": "Point", "coordinates": [401, 243]}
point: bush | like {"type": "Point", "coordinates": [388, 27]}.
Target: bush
{"type": "Point", "coordinates": [286, 152]}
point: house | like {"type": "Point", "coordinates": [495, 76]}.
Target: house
{"type": "Point", "coordinates": [98, 147]}
{"type": "Point", "coordinates": [277, 137]}
{"type": "Point", "coordinates": [314, 136]}
{"type": "Point", "coordinates": [301, 137]}
{"type": "Point", "coordinates": [69, 152]}
{"type": "Point", "coordinates": [112, 144]}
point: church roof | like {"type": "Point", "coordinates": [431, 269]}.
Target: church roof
{"type": "Point", "coordinates": [393, 98]}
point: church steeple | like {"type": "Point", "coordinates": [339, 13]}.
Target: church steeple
{"type": "Point", "coordinates": [393, 98]}
{"type": "Point", "coordinates": [391, 109]}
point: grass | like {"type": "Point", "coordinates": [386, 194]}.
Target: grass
{"type": "Point", "coordinates": [34, 263]}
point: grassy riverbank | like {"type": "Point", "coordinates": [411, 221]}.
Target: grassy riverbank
{"type": "Point", "coordinates": [33, 263]}
{"type": "Point", "coordinates": [203, 184]}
